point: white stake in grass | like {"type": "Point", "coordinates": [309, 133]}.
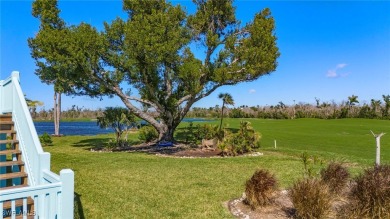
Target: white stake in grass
{"type": "Point", "coordinates": [378, 146]}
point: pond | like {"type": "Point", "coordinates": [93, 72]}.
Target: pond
{"type": "Point", "coordinates": [86, 128]}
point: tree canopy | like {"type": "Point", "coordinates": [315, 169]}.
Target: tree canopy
{"type": "Point", "coordinates": [48, 48]}
{"type": "Point", "coordinates": [149, 58]}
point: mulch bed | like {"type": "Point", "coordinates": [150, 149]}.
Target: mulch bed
{"type": "Point", "coordinates": [281, 208]}
{"type": "Point", "coordinates": [179, 150]}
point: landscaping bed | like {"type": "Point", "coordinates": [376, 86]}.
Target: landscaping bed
{"type": "Point", "coordinates": [177, 150]}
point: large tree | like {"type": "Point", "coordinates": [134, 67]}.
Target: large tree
{"type": "Point", "coordinates": [47, 48]}
{"type": "Point", "coordinates": [170, 58]}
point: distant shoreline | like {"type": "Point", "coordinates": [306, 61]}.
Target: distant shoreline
{"type": "Point", "coordinates": [68, 120]}
{"type": "Point", "coordinates": [186, 119]}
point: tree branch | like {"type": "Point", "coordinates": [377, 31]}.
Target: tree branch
{"type": "Point", "coordinates": [185, 98]}
{"type": "Point", "coordinates": [168, 83]}
{"type": "Point", "coordinates": [143, 101]}
{"type": "Point", "coordinates": [238, 71]}
{"type": "Point", "coordinates": [134, 109]}
{"type": "Point", "coordinates": [212, 90]}
{"type": "Point", "coordinates": [185, 109]}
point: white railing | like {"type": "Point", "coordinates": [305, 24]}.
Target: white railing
{"type": "Point", "coordinates": [53, 195]}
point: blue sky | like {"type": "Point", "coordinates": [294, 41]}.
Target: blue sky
{"type": "Point", "coordinates": [329, 50]}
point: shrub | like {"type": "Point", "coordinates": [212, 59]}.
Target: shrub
{"type": "Point", "coordinates": [310, 164]}
{"type": "Point", "coordinates": [112, 144]}
{"type": "Point", "coordinates": [206, 131]}
{"type": "Point", "coordinates": [45, 139]}
{"type": "Point", "coordinates": [259, 189]}
{"type": "Point", "coordinates": [190, 133]}
{"type": "Point", "coordinates": [311, 198]}
{"type": "Point", "coordinates": [335, 176]}
{"type": "Point", "coordinates": [370, 194]}
{"type": "Point", "coordinates": [147, 134]}
{"type": "Point", "coordinates": [245, 140]}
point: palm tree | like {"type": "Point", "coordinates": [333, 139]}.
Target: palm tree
{"type": "Point", "coordinates": [386, 100]}
{"type": "Point", "coordinates": [227, 99]}
{"type": "Point", "coordinates": [32, 105]}
{"type": "Point", "coordinates": [352, 100]}
{"type": "Point", "coordinates": [117, 118]}
{"type": "Point", "coordinates": [375, 105]}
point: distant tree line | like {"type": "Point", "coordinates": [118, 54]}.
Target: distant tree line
{"type": "Point", "coordinates": [74, 112]}
{"type": "Point", "coordinates": [375, 109]}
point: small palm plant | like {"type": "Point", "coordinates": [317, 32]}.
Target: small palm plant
{"type": "Point", "coordinates": [117, 118]}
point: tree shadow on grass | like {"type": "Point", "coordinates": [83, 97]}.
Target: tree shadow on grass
{"type": "Point", "coordinates": [105, 143]}
{"type": "Point", "coordinates": [78, 207]}
{"type": "Point", "coordinates": [92, 143]}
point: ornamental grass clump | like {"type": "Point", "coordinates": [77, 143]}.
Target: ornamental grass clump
{"type": "Point", "coordinates": [311, 198]}
{"type": "Point", "coordinates": [260, 189]}
{"type": "Point", "coordinates": [336, 176]}
{"type": "Point", "coordinates": [370, 194]}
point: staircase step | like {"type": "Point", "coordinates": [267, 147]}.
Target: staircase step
{"type": "Point", "coordinates": [7, 132]}
{"type": "Point", "coordinates": [7, 117]}
{"type": "Point", "coordinates": [6, 123]}
{"type": "Point", "coordinates": [11, 163]}
{"type": "Point", "coordinates": [18, 203]}
{"type": "Point", "coordinates": [13, 187]}
{"type": "Point", "coordinates": [9, 141]}
{"type": "Point", "coordinates": [10, 152]}
{"type": "Point", "coordinates": [13, 175]}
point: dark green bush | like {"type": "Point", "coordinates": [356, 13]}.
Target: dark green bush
{"type": "Point", "coordinates": [260, 188]}
{"type": "Point", "coordinates": [206, 131]}
{"type": "Point", "coordinates": [336, 176]}
{"type": "Point", "coordinates": [370, 194]}
{"type": "Point", "coordinates": [311, 198]}
{"type": "Point", "coordinates": [147, 134]}
{"type": "Point", "coordinates": [45, 139]}
{"type": "Point", "coordinates": [189, 133]}
{"type": "Point", "coordinates": [245, 140]}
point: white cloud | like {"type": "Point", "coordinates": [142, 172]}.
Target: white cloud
{"type": "Point", "coordinates": [332, 73]}
{"type": "Point", "coordinates": [342, 65]}
{"type": "Point", "coordinates": [251, 91]}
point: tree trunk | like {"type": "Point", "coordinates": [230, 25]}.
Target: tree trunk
{"type": "Point", "coordinates": [220, 125]}
{"type": "Point", "coordinates": [167, 128]}
{"type": "Point", "coordinates": [57, 113]}
{"type": "Point", "coordinates": [166, 134]}
{"type": "Point", "coordinates": [168, 122]}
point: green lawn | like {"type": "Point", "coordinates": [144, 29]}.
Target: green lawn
{"type": "Point", "coordinates": [136, 185]}
{"type": "Point", "coordinates": [342, 138]}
